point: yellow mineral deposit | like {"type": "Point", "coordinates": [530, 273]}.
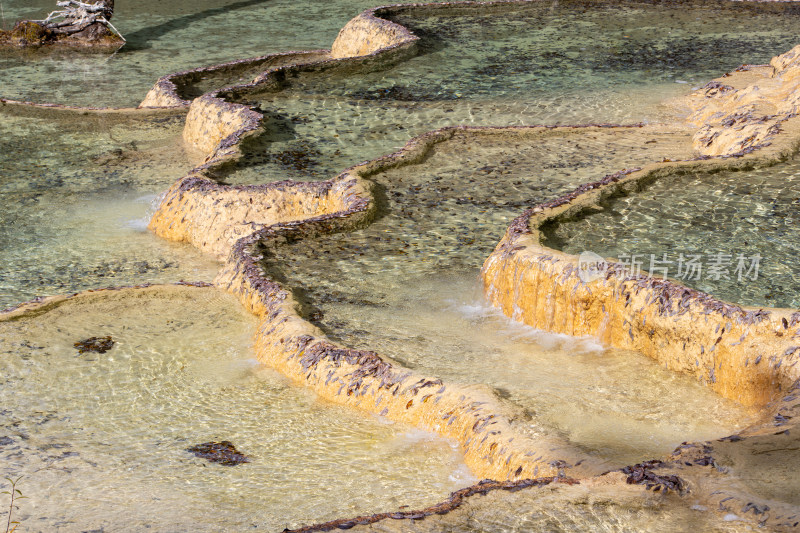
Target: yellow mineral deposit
{"type": "Point", "coordinates": [746, 354]}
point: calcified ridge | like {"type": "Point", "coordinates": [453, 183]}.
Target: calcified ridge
{"type": "Point", "coordinates": [745, 119]}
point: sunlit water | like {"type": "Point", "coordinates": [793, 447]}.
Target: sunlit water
{"type": "Point", "coordinates": [617, 405]}
{"type": "Point", "coordinates": [404, 286]}
{"type": "Point", "coordinates": [97, 442]}
{"type": "Point", "coordinates": [101, 438]}
{"type": "Point", "coordinates": [565, 509]}
{"type": "Point", "coordinates": [544, 63]}
{"type": "Point", "coordinates": [164, 37]}
{"type": "Point", "coordinates": [77, 193]}
{"type": "Point", "coordinates": [736, 232]}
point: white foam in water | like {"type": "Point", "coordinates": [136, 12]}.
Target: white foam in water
{"type": "Point", "coordinates": [137, 224]}
{"type": "Point", "coordinates": [522, 332]}
{"type": "Point", "coordinates": [152, 201]}
{"type": "Point", "coordinates": [461, 475]}
{"type": "Point", "coordinates": [474, 311]}
{"type": "Point", "coordinates": [571, 385]}
{"type": "Point", "coordinates": [418, 435]}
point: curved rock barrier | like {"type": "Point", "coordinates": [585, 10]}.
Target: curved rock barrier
{"type": "Point", "coordinates": [455, 501]}
{"type": "Point", "coordinates": [685, 329]}
{"type": "Point", "coordinates": [746, 109]}
{"type": "Point", "coordinates": [42, 304]}
{"type": "Point", "coordinates": [364, 380]}
{"type": "Point", "coordinates": [234, 223]}
{"type": "Point", "coordinates": [213, 218]}
{"type": "Point", "coordinates": [746, 354]}
{"type": "Point", "coordinates": [179, 89]}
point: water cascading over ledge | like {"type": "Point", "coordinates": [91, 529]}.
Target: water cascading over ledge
{"type": "Point", "coordinates": [197, 205]}
{"type": "Point", "coordinates": [291, 338]}
{"type": "Point", "coordinates": [721, 343]}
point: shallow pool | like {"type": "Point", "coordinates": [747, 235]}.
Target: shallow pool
{"type": "Point", "coordinates": [569, 62]}
{"type": "Point", "coordinates": [101, 439]}
{"type": "Point", "coordinates": [731, 234]}
{"type": "Point", "coordinates": [406, 287]}
{"type": "Point", "coordinates": [164, 37]}
{"type": "Point", "coordinates": [77, 193]}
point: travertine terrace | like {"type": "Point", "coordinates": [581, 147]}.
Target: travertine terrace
{"type": "Point", "coordinates": [745, 119]}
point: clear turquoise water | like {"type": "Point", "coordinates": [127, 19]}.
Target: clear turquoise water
{"type": "Point", "coordinates": [564, 63]}
{"type": "Point", "coordinates": [77, 193]}
{"type": "Point", "coordinates": [76, 196]}
{"type": "Point", "coordinates": [165, 37]}
{"type": "Point", "coordinates": [405, 287]}
{"type": "Point", "coordinates": [725, 219]}
{"type": "Point", "coordinates": [436, 219]}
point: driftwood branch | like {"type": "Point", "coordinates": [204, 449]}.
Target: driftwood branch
{"type": "Point", "coordinates": [77, 16]}
{"type": "Point", "coordinates": [74, 23]}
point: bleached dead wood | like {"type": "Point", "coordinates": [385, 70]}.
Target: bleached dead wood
{"type": "Point", "coordinates": [76, 16]}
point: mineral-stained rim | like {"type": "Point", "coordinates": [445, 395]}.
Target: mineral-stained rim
{"type": "Point", "coordinates": [455, 501]}
{"type": "Point", "coordinates": [45, 303]}
{"type": "Point", "coordinates": [170, 90]}
{"type": "Point", "coordinates": [744, 353]}
{"type": "Point", "coordinates": [470, 415]}
{"type": "Point", "coordinates": [8, 105]}
{"type": "Point", "coordinates": [361, 379]}
{"type": "Point", "coordinates": [296, 347]}
{"type": "Point", "coordinates": [366, 381]}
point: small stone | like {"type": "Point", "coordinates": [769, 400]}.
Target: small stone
{"type": "Point", "coordinates": [95, 344]}
{"type": "Point", "coordinates": [223, 452]}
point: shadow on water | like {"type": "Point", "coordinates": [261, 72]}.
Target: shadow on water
{"type": "Point", "coordinates": [142, 39]}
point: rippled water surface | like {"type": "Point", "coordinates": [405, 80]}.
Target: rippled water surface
{"type": "Point", "coordinates": [77, 192]}
{"type": "Point", "coordinates": [451, 209]}
{"type": "Point", "coordinates": [165, 37]}
{"type": "Point", "coordinates": [101, 438]}
{"type": "Point", "coordinates": [565, 509]}
{"type": "Point", "coordinates": [731, 234]}
{"type": "Point", "coordinates": [618, 406]}
{"type": "Point", "coordinates": [404, 286]}
{"type": "Point", "coordinates": [546, 63]}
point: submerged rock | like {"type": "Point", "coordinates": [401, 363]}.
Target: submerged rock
{"type": "Point", "coordinates": [223, 452]}
{"type": "Point", "coordinates": [642, 474]}
{"type": "Point", "coordinates": [95, 344]}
